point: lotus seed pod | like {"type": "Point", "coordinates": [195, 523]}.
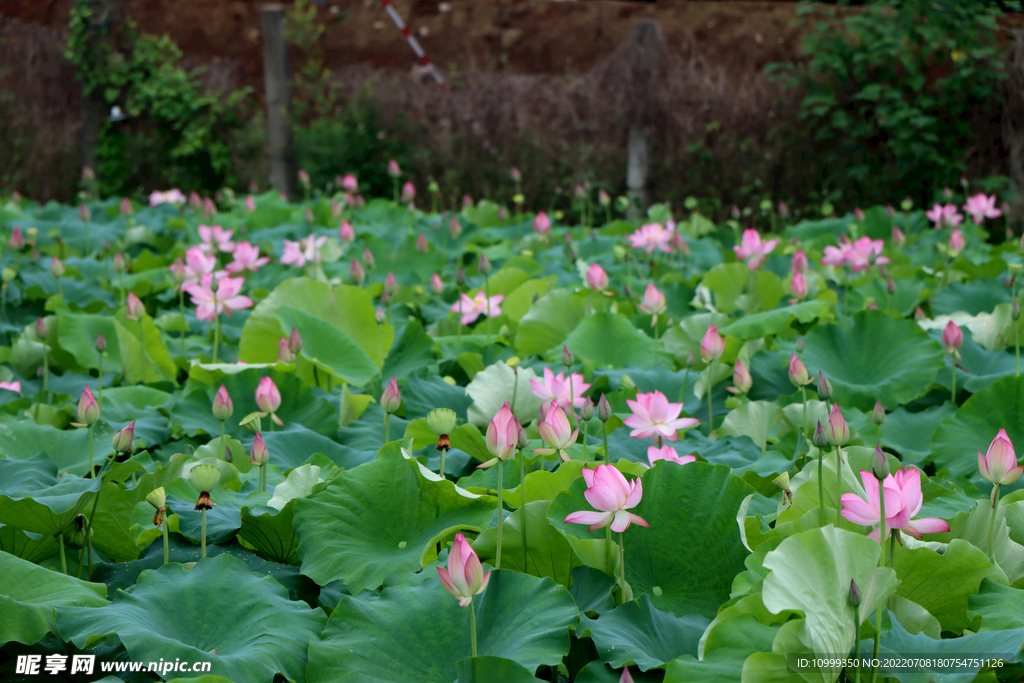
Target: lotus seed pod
{"type": "Point", "coordinates": [441, 421]}
{"type": "Point", "coordinates": [157, 498]}
{"type": "Point", "coordinates": [251, 423]}
{"type": "Point", "coordinates": [205, 477]}
{"type": "Point", "coordinates": [78, 533]}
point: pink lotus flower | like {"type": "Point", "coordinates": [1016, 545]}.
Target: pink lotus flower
{"type": "Point", "coordinates": [541, 224]}
{"type": "Point", "coordinates": [454, 228]}
{"type": "Point", "coordinates": [956, 242]}
{"type": "Point", "coordinates": [56, 267]}
{"type": "Point", "coordinates": [391, 398]}
{"type": "Point", "coordinates": [753, 250]}
{"type": "Point", "coordinates": [349, 183]}
{"type": "Point", "coordinates": [212, 302]}
{"type": "Point", "coordinates": [597, 278]}
{"type": "Point", "coordinates": [284, 354]}
{"type": "Point", "coordinates": [650, 237]}
{"type": "Point", "coordinates": [798, 374]}
{"type": "Point", "coordinates": [88, 409]}
{"type": "Point", "coordinates": [798, 286]}
{"type": "Point", "coordinates": [999, 464]}
{"type": "Point", "coordinates": [223, 407]}
{"type": "Point", "coordinates": [356, 273]}
{"type": "Point", "coordinates": [557, 433]}
{"type": "Point", "coordinates": [741, 379]}
{"type": "Point", "coordinates": [134, 308]}
{"type": "Point", "coordinates": [393, 169]}
{"type": "Point", "coordinates": [408, 192]}
{"type": "Point", "coordinates": [194, 202]}
{"type": "Point", "coordinates": [198, 264]}
{"type": "Point", "coordinates": [556, 388]}
{"type": "Point", "coordinates": [268, 399]}
{"type": "Point", "coordinates": [610, 493]}
{"type": "Point", "coordinates": [858, 255]}
{"type": "Point", "coordinates": [345, 232]}
{"type": "Point", "coordinates": [17, 239]}
{"type": "Point", "coordinates": [436, 283]}
{"type": "Point", "coordinates": [898, 238]}
{"type": "Point", "coordinates": [260, 454]}
{"type": "Point", "coordinates": [502, 436]}
{"type": "Point", "coordinates": [306, 250]}
{"type": "Point", "coordinates": [479, 304]}
{"type": "Point", "coordinates": [943, 216]}
{"type": "Point", "coordinates": [464, 576]}
{"type": "Point", "coordinates": [247, 259]}
{"type": "Point", "coordinates": [712, 345]}
{"type": "Point", "coordinates": [668, 453]}
{"type": "Point", "coordinates": [174, 196]}
{"type": "Point", "coordinates": [250, 204]}
{"type": "Point", "coordinates": [653, 416]}
{"type": "Point", "coordinates": [653, 303]}
{"type": "Point", "coordinates": [903, 500]}
{"type": "Point", "coordinates": [799, 261]}
{"type": "Point", "coordinates": [980, 207]}
{"type": "Point", "coordinates": [209, 208]}
{"type": "Point", "coordinates": [952, 337]}
{"type": "Point", "coordinates": [12, 386]}
{"type": "Point", "coordinates": [368, 260]}
{"type": "Point", "coordinates": [126, 207]}
{"type": "Point", "coordinates": [421, 244]}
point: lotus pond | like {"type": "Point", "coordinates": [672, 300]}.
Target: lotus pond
{"type": "Point", "coordinates": [346, 440]}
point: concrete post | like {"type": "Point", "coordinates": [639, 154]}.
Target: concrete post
{"type": "Point", "coordinates": [645, 58]}
{"type": "Point", "coordinates": [276, 76]}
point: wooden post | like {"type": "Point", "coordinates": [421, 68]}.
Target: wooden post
{"type": "Point", "coordinates": [645, 58]}
{"type": "Point", "coordinates": [276, 75]}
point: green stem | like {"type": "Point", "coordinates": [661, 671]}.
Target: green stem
{"type": "Point", "coordinates": [522, 501]}
{"type": "Point", "coordinates": [440, 469]}
{"type": "Point", "coordinates": [46, 372]}
{"type": "Point", "coordinates": [583, 428]}
{"type": "Point", "coordinates": [91, 471]}
{"type": "Point", "coordinates": [181, 311]}
{"type": "Point", "coordinates": [856, 642]}
{"type": "Point", "coordinates": [821, 483]}
{"type": "Point", "coordinates": [472, 624]}
{"type": "Point", "coordinates": [711, 410]}
{"type": "Point", "coordinates": [78, 569]}
{"type": "Point", "coordinates": [497, 559]}
{"type": "Point", "coordinates": [167, 550]}
{"type": "Point", "coordinates": [63, 560]}
{"type": "Point", "coordinates": [223, 443]}
{"type": "Point", "coordinates": [60, 290]}
{"type": "Point", "coordinates": [387, 432]}
{"type": "Point", "coordinates": [952, 391]}
{"type": "Point", "coordinates": [607, 458]}
{"type": "Point", "coordinates": [622, 565]}
{"type": "Point", "coordinates": [839, 482]}
{"type": "Point", "coordinates": [656, 345]}
{"type": "Point", "coordinates": [992, 523]}
{"type": "Point", "coordinates": [881, 563]}
{"type": "Point", "coordinates": [203, 513]}
{"type": "Point", "coordinates": [99, 387]}
{"type": "Point", "coordinates": [1016, 345]}
{"type": "Point", "coordinates": [803, 395]}
{"type": "Point", "coordinates": [124, 299]}
{"type": "Point", "coordinates": [216, 334]}
{"type": "Point", "coordinates": [459, 334]}
{"type": "Point", "coordinates": [682, 389]}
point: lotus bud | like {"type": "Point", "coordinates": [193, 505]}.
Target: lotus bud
{"type": "Point", "coordinates": [88, 408]}
{"type": "Point", "coordinates": [122, 441]}
{"type": "Point", "coordinates": [252, 423]}
{"type": "Point", "coordinates": [797, 372]}
{"type": "Point", "coordinates": [919, 314]}
{"type": "Point", "coordinates": [56, 267]}
{"type": "Point", "coordinates": [84, 214]}
{"type": "Point", "coordinates": [691, 359]}
{"type": "Point", "coordinates": [454, 228]}
{"type": "Point", "coordinates": [284, 354]}
{"type": "Point", "coordinates": [587, 409]}
{"type": "Point", "coordinates": [566, 356]}
{"type": "Point", "coordinates": [855, 596]}
{"type": "Point", "coordinates": [741, 379]}
{"type": "Point", "coordinates": [522, 441]}
{"type": "Point", "coordinates": [818, 438]}
{"type": "Point", "coordinates": [604, 409]}
{"type": "Point", "coordinates": [421, 244]}
{"type": "Point", "coordinates": [194, 201]}
{"type": "Point", "coordinates": [824, 386]}
{"type": "Point", "coordinates": [134, 308]}
{"type": "Point", "coordinates": [368, 259]}
{"type": "Point", "coordinates": [436, 284]}
{"type": "Point", "coordinates": [205, 478]}
{"type": "Point", "coordinates": [78, 533]}
{"type": "Point", "coordinates": [379, 315]}
{"type": "Point", "coordinates": [460, 277]}
{"type": "Point", "coordinates": [8, 274]}
{"type": "Point", "coordinates": [879, 463]}
{"type": "Point", "coordinates": [42, 331]}
{"type": "Point", "coordinates": [391, 399]}
{"type": "Point", "coordinates": [101, 343]}
{"type": "Point", "coordinates": [345, 232]}
{"type": "Point", "coordinates": [799, 344]}
{"type": "Point", "coordinates": [626, 677]}
{"type": "Point", "coordinates": [295, 344]}
{"type": "Point", "coordinates": [952, 337]}
{"type": "Point", "coordinates": [222, 405]}
{"type": "Point", "coordinates": [712, 345]}
{"type": "Point", "coordinates": [626, 383]}
{"type": "Point", "coordinates": [956, 242]}
{"type": "Point", "coordinates": [878, 414]}
{"type": "Point", "coordinates": [119, 265]}
{"type": "Point", "coordinates": [484, 265]}
{"type": "Point", "coordinates": [356, 273]}
{"type": "Point", "coordinates": [836, 431]}
{"type": "Point", "coordinates": [259, 454]}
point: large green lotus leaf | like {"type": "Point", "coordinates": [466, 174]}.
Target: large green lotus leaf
{"type": "Point", "coordinates": [329, 348]}
{"type": "Point", "coordinates": [728, 280]}
{"type": "Point", "coordinates": [548, 323]}
{"type": "Point", "coordinates": [973, 527]}
{"type": "Point", "coordinates": [29, 593]}
{"type": "Point", "coordinates": [547, 552]}
{"type": "Point", "coordinates": [519, 302]}
{"type": "Point", "coordinates": [979, 296]}
{"type": "Point", "coordinates": [609, 339]}
{"type": "Point", "coordinates": [774, 321]}
{"type": "Point", "coordinates": [636, 633]}
{"type": "Point", "coordinates": [942, 583]}
{"type": "Point", "coordinates": [876, 358]}
{"type": "Point", "coordinates": [150, 364]}
{"type": "Point", "coordinates": [270, 533]}
{"type": "Point", "coordinates": [30, 547]}
{"type": "Point", "coordinates": [976, 367]}
{"type": "Point", "coordinates": [496, 385]}
{"type": "Point", "coordinates": [599, 672]}
{"type": "Point", "coordinates": [67, 448]}
{"type": "Point", "coordinates": [380, 518]}
{"type": "Point", "coordinates": [76, 334]}
{"type": "Point", "coordinates": [112, 524]}
{"type": "Point", "coordinates": [219, 605]}
{"type": "Point", "coordinates": [811, 572]}
{"type": "Point", "coordinates": [413, 351]}
{"type": "Point", "coordinates": [348, 309]}
{"type": "Point", "coordinates": [485, 669]}
{"type": "Point", "coordinates": [417, 633]}
{"type": "Point", "coordinates": [976, 646]}
{"type": "Point", "coordinates": [688, 557]}
{"type": "Point", "coordinates": [910, 434]}
{"type": "Point", "coordinates": [957, 439]}
{"type": "Point", "coordinates": [726, 648]}
{"type": "Point", "coordinates": [755, 419]}
{"type": "Point", "coordinates": [49, 510]}
{"type": "Point", "coordinates": [999, 606]}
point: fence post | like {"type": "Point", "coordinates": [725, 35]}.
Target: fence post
{"type": "Point", "coordinates": [276, 75]}
{"type": "Point", "coordinates": [645, 58]}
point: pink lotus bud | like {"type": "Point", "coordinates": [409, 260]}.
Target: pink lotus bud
{"type": "Point", "coordinates": [250, 203]}
{"type": "Point", "coordinates": [194, 202]}
{"type": "Point", "coordinates": [455, 228]}
{"type": "Point", "coordinates": [467, 201]}
{"type": "Point", "coordinates": [502, 435]}
{"type": "Point", "coordinates": [484, 265]}
{"type": "Point", "coordinates": [587, 410]}
{"type": "Point", "coordinates": [956, 242]}
{"type": "Point", "coordinates": [17, 239]}
{"type": "Point", "coordinates": [88, 408]}
{"type": "Point", "coordinates": [42, 331]}
{"type": "Point", "coordinates": [408, 192]}
{"type": "Point", "coordinates": [919, 314]}
{"type": "Point", "coordinates": [284, 354]}
{"type": "Point", "coordinates": [259, 455]}
{"type": "Point", "coordinates": [391, 399]}
{"type": "Point", "coordinates": [345, 232]}
{"type": "Point", "coordinates": [268, 398]}
{"type": "Point", "coordinates": [222, 405]}
{"type": "Point", "coordinates": [122, 441]}
{"type": "Point", "coordinates": [597, 278]}
{"type": "Point", "coordinates": [84, 214]}
{"type": "Point", "coordinates": [368, 258]}
{"type": "Point", "coordinates": [556, 431]}
{"type": "Point", "coordinates": [824, 386]}
{"type": "Point", "coordinates": [393, 169]}
{"type": "Point", "coordinates": [566, 356]}
{"type": "Point", "coordinates": [858, 213]}
{"type": "Point", "coordinates": [799, 344]}
{"type": "Point", "coordinates": [304, 177]}
{"type": "Point", "coordinates": [88, 175]}
{"type": "Point", "coordinates": [56, 267]}
{"type": "Point", "coordinates": [898, 238]}
{"type": "Point", "coordinates": [878, 413]}
{"type": "Point", "coordinates": [309, 216]}
{"type": "Point", "coordinates": [335, 210]}
{"type": "Point", "coordinates": [653, 303]}
{"type": "Point", "coordinates": [436, 283]}
{"type": "Point", "coordinates": [421, 244]}
{"type": "Point", "coordinates": [209, 208]}
{"type": "Point", "coordinates": [349, 183]}
{"type": "Point", "coordinates": [999, 464]}
{"type": "Point", "coordinates": [134, 308]}
{"type": "Point", "coordinates": [890, 286]}
{"type": "Point", "coordinates": [603, 198]}
{"type": "Point", "coordinates": [542, 224]}
{"type": "Point", "coordinates": [295, 344]}
{"type": "Point", "coordinates": [735, 212]}
{"type": "Point", "coordinates": [798, 374]}
{"type": "Point", "coordinates": [783, 210]}
{"type": "Point", "coordinates": [798, 286]}
{"type": "Point", "coordinates": [604, 409]}
{"type": "Point", "coordinates": [464, 576]}
{"type": "Point", "coordinates": [799, 261]}
{"type": "Point", "coordinates": [741, 379]}
{"type": "Point", "coordinates": [390, 284]}
{"type": "Point", "coordinates": [460, 276]}
{"type": "Point", "coordinates": [101, 343]}
{"type": "Point", "coordinates": [712, 345]}
{"type": "Point", "coordinates": [836, 430]}
{"type": "Point", "coordinates": [356, 273]}
{"type": "Point", "coordinates": [379, 316]}
{"type": "Point", "coordinates": [952, 337]}
{"type": "Point", "coordinates": [119, 264]}
{"type": "Point", "coordinates": [626, 677]}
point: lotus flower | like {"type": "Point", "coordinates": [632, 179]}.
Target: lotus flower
{"type": "Point", "coordinates": [502, 436]}
{"type": "Point", "coordinates": [260, 454]}
{"type": "Point", "coordinates": [178, 272]}
{"type": "Point", "coordinates": [653, 416]}
{"type": "Point", "coordinates": [268, 399]}
{"type": "Point", "coordinates": [999, 464]}
{"type": "Point", "coordinates": [653, 303]}
{"type": "Point", "coordinates": [741, 379]}
{"type": "Point", "coordinates": [391, 398]}
{"type": "Point", "coordinates": [284, 354]}
{"type": "Point", "coordinates": [349, 183]}
{"type": "Point", "coordinates": [464, 576]}
{"type": "Point", "coordinates": [122, 441]}
{"type": "Point", "coordinates": [597, 278]}
{"type": "Point", "coordinates": [88, 409]}
{"type": "Point", "coordinates": [250, 203]}
{"type": "Point", "coordinates": [212, 302]}
{"type": "Point", "coordinates": [952, 337]}
{"type": "Point", "coordinates": [956, 242]}
{"type": "Point", "coordinates": [436, 284]}
{"type": "Point", "coordinates": [752, 249]}
{"type": "Point", "coordinates": [799, 261]}
{"type": "Point", "coordinates": [306, 250]}
{"type": "Point", "coordinates": [798, 374]}
{"type": "Point", "coordinates": [903, 500]}
{"type": "Point", "coordinates": [479, 304]}
{"type": "Point", "coordinates": [345, 232]}
{"type": "Point", "coordinates": [798, 286]}
{"type": "Point", "coordinates": [174, 196]}
{"type": "Point", "coordinates": [222, 405]}
{"type": "Point", "coordinates": [17, 239]}
{"type": "Point", "coordinates": [712, 345]}
{"type": "Point", "coordinates": [247, 259]}
{"type": "Point", "coordinates": [836, 431]}
{"type": "Point", "coordinates": [979, 207]}
{"type": "Point", "coordinates": [408, 192]}
{"type": "Point", "coordinates": [215, 238]}
{"type": "Point", "coordinates": [12, 386]}
{"type": "Point", "coordinates": [610, 493]}
{"type": "Point", "coordinates": [898, 238]}
{"type": "Point", "coordinates": [650, 237]}
{"type": "Point", "coordinates": [393, 169]}
{"type": "Point", "coordinates": [134, 308]}
{"type": "Point", "coordinates": [542, 224]}
{"type": "Point", "coordinates": [56, 267]}
{"type": "Point", "coordinates": [666, 452]}
{"type": "Point", "coordinates": [556, 388]}
{"type": "Point", "coordinates": [556, 432]}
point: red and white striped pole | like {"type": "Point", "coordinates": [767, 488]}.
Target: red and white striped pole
{"type": "Point", "coordinates": [414, 44]}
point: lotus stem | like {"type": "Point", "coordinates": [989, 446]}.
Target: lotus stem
{"type": "Point", "coordinates": [167, 551]}
{"type": "Point", "coordinates": [656, 345]}
{"type": "Point", "coordinates": [46, 372]}
{"type": "Point", "coordinates": [881, 563]}
{"type": "Point", "coordinates": [803, 395]}
{"type": "Point", "coordinates": [78, 569]}
{"type": "Point", "coordinates": [142, 341]}
{"type": "Point", "coordinates": [89, 541]}
{"type": "Point", "coordinates": [263, 477]}
{"type": "Point", "coordinates": [91, 471]}
{"type": "Point", "coordinates": [123, 294]}
{"type": "Point", "coordinates": [682, 389]}
{"type": "Point", "coordinates": [583, 425]}
{"type": "Point", "coordinates": [203, 539]}
{"type": "Point", "coordinates": [522, 501]}
{"type": "Point", "coordinates": [440, 470]}
{"type": "Point", "coordinates": [711, 410]}
{"type": "Point", "coordinates": [607, 457]}
{"type": "Point", "coordinates": [99, 387]}
{"type": "Point", "coordinates": [952, 391]}
{"type": "Point", "coordinates": [501, 463]}
{"type": "Point", "coordinates": [387, 431]}
{"type": "Point", "coordinates": [60, 290]}
{"type": "Point", "coordinates": [839, 482]}
{"type": "Point", "coordinates": [459, 334]}
{"type": "Point", "coordinates": [1016, 345]}
{"type": "Point", "coordinates": [472, 624]}
{"type": "Point", "coordinates": [856, 642]}
{"type": "Point", "coordinates": [216, 334]}
{"type": "Point", "coordinates": [572, 399]}
{"type": "Point", "coordinates": [223, 443]}
{"type": "Point", "coordinates": [181, 311]}
{"type": "Point", "coordinates": [992, 523]}
{"type": "Point", "coordinates": [622, 565]}
{"type": "Point", "coordinates": [63, 560]}
{"type": "Point", "coordinates": [821, 483]}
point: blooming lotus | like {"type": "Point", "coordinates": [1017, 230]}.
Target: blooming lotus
{"type": "Point", "coordinates": [557, 433]}
{"type": "Point", "coordinates": [903, 500]}
{"type": "Point", "coordinates": [479, 304]}
{"type": "Point", "coordinates": [650, 237]}
{"type": "Point", "coordinates": [502, 436]}
{"type": "Point", "coordinates": [305, 250]}
{"type": "Point", "coordinates": [11, 386]}
{"type": "Point", "coordinates": [556, 388]}
{"type": "Point", "coordinates": [653, 416]}
{"type": "Point", "coordinates": [215, 238]}
{"type": "Point", "coordinates": [174, 196]}
{"type": "Point", "coordinates": [610, 493]}
{"type": "Point", "coordinates": [198, 264]}
{"type": "Point", "coordinates": [212, 302]}
{"type": "Point", "coordinates": [999, 464]}
{"type": "Point", "coordinates": [943, 216]}
{"type": "Point", "coordinates": [666, 452]}
{"type": "Point", "coordinates": [268, 399]}
{"type": "Point", "coordinates": [597, 278]}
{"type": "Point", "coordinates": [349, 183]}
{"type": "Point", "coordinates": [858, 255]}
{"type": "Point", "coordinates": [979, 207]}
{"type": "Point", "coordinates": [653, 303]}
{"type": "Point", "coordinates": [247, 259]}
{"type": "Point", "coordinates": [753, 250]}
{"type": "Point", "coordinates": [464, 576]}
